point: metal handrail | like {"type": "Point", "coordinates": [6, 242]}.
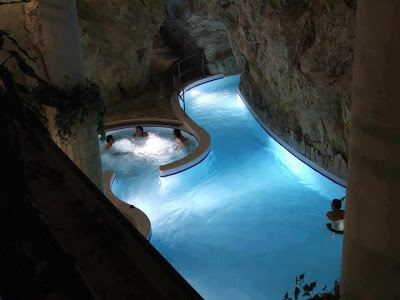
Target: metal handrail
{"type": "Point", "coordinates": [177, 78]}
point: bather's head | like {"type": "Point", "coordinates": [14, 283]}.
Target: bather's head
{"type": "Point", "coordinates": [177, 133]}
{"type": "Point", "coordinates": [110, 139]}
{"type": "Point", "coordinates": [139, 130]}
{"type": "Point", "coordinates": [336, 204]}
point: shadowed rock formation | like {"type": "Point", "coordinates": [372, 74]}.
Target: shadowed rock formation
{"type": "Point", "coordinates": [190, 29]}
{"type": "Point", "coordinates": [117, 40]}
{"type": "Point", "coordinates": [296, 61]}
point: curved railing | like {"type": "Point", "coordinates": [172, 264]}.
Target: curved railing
{"type": "Point", "coordinates": [185, 70]}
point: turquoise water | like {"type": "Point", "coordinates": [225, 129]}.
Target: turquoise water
{"type": "Point", "coordinates": [247, 220]}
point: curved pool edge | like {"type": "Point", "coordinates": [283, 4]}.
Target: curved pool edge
{"type": "Point", "coordinates": [127, 123]}
{"type": "Point", "coordinates": [202, 136]}
{"type": "Point", "coordinates": [185, 124]}
{"type": "Point", "coordinates": [134, 215]}
{"type": "Point", "coordinates": [297, 154]}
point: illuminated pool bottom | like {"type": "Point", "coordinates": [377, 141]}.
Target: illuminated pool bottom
{"type": "Point", "coordinates": [244, 222]}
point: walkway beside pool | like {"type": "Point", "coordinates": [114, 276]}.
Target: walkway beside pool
{"type": "Point", "coordinates": [154, 102]}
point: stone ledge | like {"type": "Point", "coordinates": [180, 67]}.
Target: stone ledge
{"type": "Point", "coordinates": [112, 256]}
{"type": "Point", "coordinates": [304, 159]}
{"type": "Point", "coordinates": [197, 131]}
{"type": "Point", "coordinates": [185, 124]}
{"type": "Point", "coordinates": [135, 216]}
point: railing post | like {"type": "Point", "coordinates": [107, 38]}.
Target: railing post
{"type": "Point", "coordinates": [173, 81]}
{"type": "Point", "coordinates": [184, 103]}
{"type": "Point", "coordinates": [179, 73]}
{"type": "Point", "coordinates": [177, 81]}
{"type": "Point", "coordinates": [202, 62]}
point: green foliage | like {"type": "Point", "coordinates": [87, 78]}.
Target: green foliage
{"type": "Point", "coordinates": [306, 290]}
{"type": "Point", "coordinates": [72, 106]}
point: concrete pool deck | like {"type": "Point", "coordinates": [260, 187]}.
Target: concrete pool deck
{"type": "Point", "coordinates": [154, 102]}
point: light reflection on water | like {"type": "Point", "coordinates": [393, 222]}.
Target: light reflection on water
{"type": "Point", "coordinates": [245, 221]}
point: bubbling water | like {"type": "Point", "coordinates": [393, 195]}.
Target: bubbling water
{"type": "Point", "coordinates": [128, 154]}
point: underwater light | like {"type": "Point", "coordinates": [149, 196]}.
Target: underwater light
{"type": "Point", "coordinates": [194, 92]}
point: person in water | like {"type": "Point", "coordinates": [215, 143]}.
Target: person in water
{"type": "Point", "coordinates": [336, 216]}
{"type": "Point", "coordinates": [179, 137]}
{"type": "Point", "coordinates": [140, 132]}
{"type": "Point", "coordinates": [110, 141]}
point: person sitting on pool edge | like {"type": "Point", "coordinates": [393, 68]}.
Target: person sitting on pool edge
{"type": "Point", "coordinates": [179, 137]}
{"type": "Point", "coordinates": [336, 217]}
{"type": "Point", "coordinates": [140, 132]}
{"type": "Point", "coordinates": [110, 141]}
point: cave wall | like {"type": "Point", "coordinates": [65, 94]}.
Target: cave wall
{"type": "Point", "coordinates": [296, 61]}
{"type": "Point", "coordinates": [295, 57]}
{"type": "Point", "coordinates": [117, 40]}
{"type": "Point", "coordinates": [190, 29]}
{"type": "Point", "coordinates": [12, 20]}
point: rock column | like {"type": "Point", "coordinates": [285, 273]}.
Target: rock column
{"type": "Point", "coordinates": [371, 249]}
{"type": "Point", "coordinates": [64, 64]}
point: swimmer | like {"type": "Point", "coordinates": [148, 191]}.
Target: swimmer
{"type": "Point", "coordinates": [110, 141]}
{"type": "Point", "coordinates": [140, 132]}
{"type": "Point", "coordinates": [336, 216]}
{"type": "Point", "coordinates": [179, 137]}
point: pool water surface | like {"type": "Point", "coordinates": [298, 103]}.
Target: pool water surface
{"type": "Point", "coordinates": [247, 220]}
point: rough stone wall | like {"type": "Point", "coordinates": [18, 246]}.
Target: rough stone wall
{"type": "Point", "coordinates": [12, 20]}
{"type": "Point", "coordinates": [117, 40]}
{"type": "Point", "coordinates": [191, 29]}
{"type": "Point", "coordinates": [296, 61]}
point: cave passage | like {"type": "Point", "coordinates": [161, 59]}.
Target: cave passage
{"type": "Point", "coordinates": [247, 220]}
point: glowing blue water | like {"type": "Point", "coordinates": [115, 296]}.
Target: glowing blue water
{"type": "Point", "coordinates": [249, 218]}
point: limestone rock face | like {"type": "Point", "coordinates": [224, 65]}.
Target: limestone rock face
{"type": "Point", "coordinates": [296, 61]}
{"type": "Point", "coordinates": [117, 40]}
{"type": "Point", "coordinates": [191, 29]}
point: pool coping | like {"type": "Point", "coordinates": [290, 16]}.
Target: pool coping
{"type": "Point", "coordinates": [134, 215]}
{"type": "Point", "coordinates": [185, 124]}
{"type": "Point", "coordinates": [179, 112]}
{"type": "Point", "coordinates": [202, 136]}
{"type": "Point", "coordinates": [298, 155]}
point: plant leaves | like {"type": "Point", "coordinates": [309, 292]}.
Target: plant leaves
{"type": "Point", "coordinates": [302, 276]}
{"type": "Point", "coordinates": [337, 288]}
{"type": "Point", "coordinates": [21, 88]}
{"type": "Point", "coordinates": [296, 293]}
{"type": "Point", "coordinates": [313, 285]}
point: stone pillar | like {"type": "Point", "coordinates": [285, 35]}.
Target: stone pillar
{"type": "Point", "coordinates": [62, 40]}
{"type": "Point", "coordinates": [83, 149]}
{"type": "Point", "coordinates": [64, 63]}
{"type": "Point", "coordinates": [371, 249]}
